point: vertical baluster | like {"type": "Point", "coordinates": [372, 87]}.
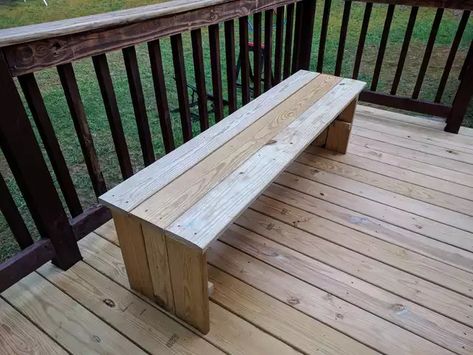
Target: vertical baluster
{"type": "Point", "coordinates": [307, 35]}
{"type": "Point", "coordinates": [244, 60]}
{"type": "Point", "coordinates": [154, 49]}
{"type": "Point", "coordinates": [231, 65]}
{"type": "Point", "coordinates": [405, 48]}
{"type": "Point", "coordinates": [467, 60]}
{"type": "Point", "coordinates": [181, 86]}
{"type": "Point", "coordinates": [43, 123]}
{"type": "Point", "coordinates": [139, 107]}
{"type": "Point", "coordinates": [428, 53]}
{"type": "Point", "coordinates": [110, 102]}
{"type": "Point", "coordinates": [343, 37]}
{"type": "Point", "coordinates": [361, 41]}
{"type": "Point", "coordinates": [198, 57]}
{"type": "Point", "coordinates": [257, 54]}
{"type": "Point", "coordinates": [452, 54]}
{"type": "Point", "coordinates": [279, 45]}
{"type": "Point", "coordinates": [268, 49]}
{"type": "Point", "coordinates": [13, 217]}
{"type": "Point", "coordinates": [76, 107]}
{"type": "Point", "coordinates": [215, 63]}
{"type": "Point", "coordinates": [298, 29]}
{"type": "Point", "coordinates": [288, 40]}
{"type": "Point", "coordinates": [23, 154]}
{"type": "Point", "coordinates": [462, 99]}
{"type": "Point", "coordinates": [323, 35]}
{"type": "Point", "coordinates": [382, 47]}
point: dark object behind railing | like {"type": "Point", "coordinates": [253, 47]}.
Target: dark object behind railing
{"type": "Point", "coordinates": [30, 49]}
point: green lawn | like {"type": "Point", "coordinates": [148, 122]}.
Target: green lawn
{"type": "Point", "coordinates": [16, 13]}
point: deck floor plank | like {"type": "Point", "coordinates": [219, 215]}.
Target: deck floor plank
{"type": "Point", "coordinates": [227, 331]}
{"type": "Point", "coordinates": [19, 336]}
{"type": "Point", "coordinates": [368, 252]}
{"type": "Point", "coordinates": [65, 320]}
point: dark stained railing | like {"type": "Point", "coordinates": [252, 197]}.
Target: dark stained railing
{"type": "Point", "coordinates": [282, 37]}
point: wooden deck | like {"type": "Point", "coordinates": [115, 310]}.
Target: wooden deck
{"type": "Point", "coordinates": [344, 254]}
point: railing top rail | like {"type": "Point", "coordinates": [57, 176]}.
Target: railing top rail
{"type": "Point", "coordinates": [24, 34]}
{"type": "Point", "coordinates": [446, 4]}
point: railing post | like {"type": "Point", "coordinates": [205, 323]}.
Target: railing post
{"type": "Point", "coordinates": [462, 99]}
{"type": "Point", "coordinates": [303, 34]}
{"type": "Point", "coordinates": [19, 145]}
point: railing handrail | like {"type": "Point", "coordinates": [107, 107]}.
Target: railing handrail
{"type": "Point", "coordinates": [444, 4]}
{"type": "Point", "coordinates": [29, 33]}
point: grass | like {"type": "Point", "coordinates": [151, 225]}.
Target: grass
{"type": "Point", "coordinates": [16, 13]}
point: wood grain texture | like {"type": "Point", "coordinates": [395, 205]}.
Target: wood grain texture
{"type": "Point", "coordinates": [376, 228]}
{"type": "Point", "coordinates": [229, 332]}
{"type": "Point", "coordinates": [338, 136]}
{"type": "Point", "coordinates": [19, 336]}
{"type": "Point", "coordinates": [207, 218]}
{"type": "Point", "coordinates": [134, 252]}
{"type": "Point", "coordinates": [50, 49]}
{"type": "Point", "coordinates": [270, 218]}
{"type": "Point", "coordinates": [281, 320]}
{"type": "Point", "coordinates": [188, 269]}
{"type": "Point", "coordinates": [157, 255]}
{"type": "Point", "coordinates": [125, 311]}
{"type": "Point", "coordinates": [73, 326]}
{"type": "Point", "coordinates": [420, 321]}
{"type": "Point", "coordinates": [139, 187]}
{"type": "Point", "coordinates": [171, 201]}
{"type": "Point", "coordinates": [335, 312]}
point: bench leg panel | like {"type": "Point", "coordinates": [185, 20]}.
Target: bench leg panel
{"type": "Point", "coordinates": [156, 251]}
{"type": "Point", "coordinates": [133, 250]}
{"type": "Point", "coordinates": [189, 279]}
{"type": "Point", "coordinates": [339, 131]}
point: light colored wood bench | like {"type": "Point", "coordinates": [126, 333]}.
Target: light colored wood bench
{"type": "Point", "coordinates": [169, 213]}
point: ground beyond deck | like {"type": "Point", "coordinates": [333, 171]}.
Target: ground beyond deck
{"type": "Point", "coordinates": [361, 253]}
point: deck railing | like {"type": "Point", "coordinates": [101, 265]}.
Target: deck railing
{"type": "Point", "coordinates": [283, 34]}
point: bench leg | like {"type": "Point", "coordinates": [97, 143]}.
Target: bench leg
{"type": "Point", "coordinates": [133, 250]}
{"type": "Point", "coordinates": [189, 279]}
{"type": "Point", "coordinates": [157, 256]}
{"type": "Point", "coordinates": [338, 134]}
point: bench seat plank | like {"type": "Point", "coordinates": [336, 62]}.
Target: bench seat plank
{"type": "Point", "coordinates": [173, 200]}
{"type": "Point", "coordinates": [209, 217]}
{"type": "Point", "coordinates": [132, 192]}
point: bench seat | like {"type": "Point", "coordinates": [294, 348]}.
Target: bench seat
{"type": "Point", "coordinates": [169, 213]}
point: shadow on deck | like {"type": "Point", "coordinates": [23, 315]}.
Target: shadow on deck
{"type": "Point", "coordinates": [344, 254]}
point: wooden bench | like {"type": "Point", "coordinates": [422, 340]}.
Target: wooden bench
{"type": "Point", "coordinates": [169, 213]}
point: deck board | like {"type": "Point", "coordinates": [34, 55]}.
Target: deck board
{"type": "Point", "coordinates": [361, 253]}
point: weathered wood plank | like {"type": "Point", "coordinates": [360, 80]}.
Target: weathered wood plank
{"type": "Point", "coordinates": [335, 312]}
{"type": "Point", "coordinates": [401, 218]}
{"type": "Point", "coordinates": [19, 336]}
{"type": "Point", "coordinates": [188, 273]}
{"type": "Point", "coordinates": [207, 218]}
{"type": "Point", "coordinates": [48, 48]}
{"type": "Point", "coordinates": [157, 256]}
{"type": "Point", "coordinates": [374, 227]}
{"type": "Point", "coordinates": [351, 288]}
{"type": "Point", "coordinates": [74, 327]}
{"type": "Point", "coordinates": [279, 319]}
{"type": "Point", "coordinates": [228, 332]}
{"type": "Point", "coordinates": [171, 201]}
{"type": "Point", "coordinates": [139, 187]}
{"type": "Point", "coordinates": [126, 312]}
{"type": "Point", "coordinates": [131, 238]}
